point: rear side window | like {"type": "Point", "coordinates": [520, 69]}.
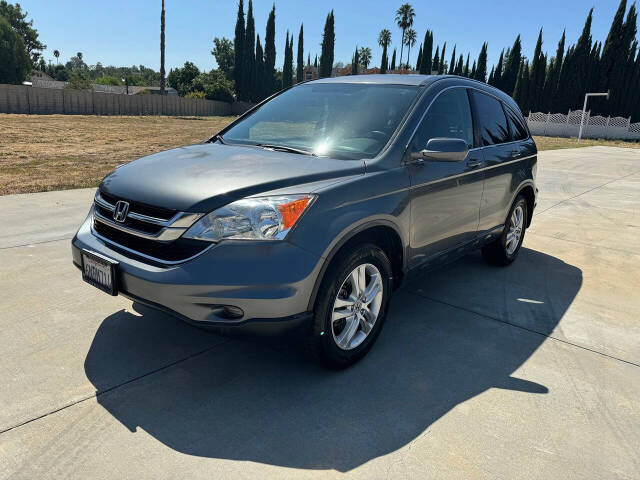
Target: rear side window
{"type": "Point", "coordinates": [492, 123]}
{"type": "Point", "coordinates": [449, 116]}
{"type": "Point", "coordinates": [517, 128]}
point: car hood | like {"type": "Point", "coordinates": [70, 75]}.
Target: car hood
{"type": "Point", "coordinates": [201, 178]}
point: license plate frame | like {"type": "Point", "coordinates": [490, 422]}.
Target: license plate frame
{"type": "Point", "coordinates": [101, 265]}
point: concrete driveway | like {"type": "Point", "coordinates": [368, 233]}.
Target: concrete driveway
{"type": "Point", "coordinates": [531, 371]}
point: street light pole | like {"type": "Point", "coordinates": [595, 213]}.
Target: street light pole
{"type": "Point", "coordinates": [584, 109]}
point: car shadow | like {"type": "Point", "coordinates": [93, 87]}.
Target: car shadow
{"type": "Point", "coordinates": [259, 400]}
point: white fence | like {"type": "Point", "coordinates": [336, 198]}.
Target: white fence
{"type": "Point", "coordinates": [561, 125]}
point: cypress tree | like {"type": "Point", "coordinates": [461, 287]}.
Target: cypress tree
{"type": "Point", "coordinates": [441, 65]}
{"type": "Point", "coordinates": [393, 60]}
{"type": "Point", "coordinates": [459, 66]}
{"type": "Point", "coordinates": [490, 80]}
{"type": "Point", "coordinates": [385, 60]}
{"type": "Point", "coordinates": [315, 62]}
{"type": "Point", "coordinates": [309, 58]}
{"type": "Point", "coordinates": [621, 81]}
{"type": "Point", "coordinates": [238, 46]}
{"type": "Point", "coordinates": [612, 46]}
{"type": "Point", "coordinates": [249, 58]}
{"type": "Point", "coordinates": [258, 86]}
{"type": "Point", "coordinates": [496, 81]}
{"type": "Point", "coordinates": [452, 64]}
{"type": "Point", "coordinates": [300, 62]}
{"type": "Point", "coordinates": [270, 53]}
{"type": "Point", "coordinates": [419, 58]}
{"type": "Point", "coordinates": [473, 70]}
{"type": "Point", "coordinates": [466, 71]}
{"type": "Point", "coordinates": [287, 68]}
{"type": "Point", "coordinates": [553, 76]}
{"type": "Point", "coordinates": [354, 62]}
{"type": "Point", "coordinates": [536, 76]}
{"type": "Point", "coordinates": [427, 52]}
{"type": "Point", "coordinates": [481, 67]}
{"type": "Point", "coordinates": [522, 87]}
{"type": "Point", "coordinates": [511, 67]}
{"type": "Point", "coordinates": [436, 60]}
{"type": "Point", "coordinates": [328, 41]}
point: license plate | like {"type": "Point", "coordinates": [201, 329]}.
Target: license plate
{"type": "Point", "coordinates": [100, 272]}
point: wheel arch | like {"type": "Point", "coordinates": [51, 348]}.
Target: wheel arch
{"type": "Point", "coordinates": [527, 190]}
{"type": "Point", "coordinates": [382, 232]}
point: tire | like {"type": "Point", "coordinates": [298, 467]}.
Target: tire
{"type": "Point", "coordinates": [330, 340]}
{"type": "Point", "coordinates": [503, 251]}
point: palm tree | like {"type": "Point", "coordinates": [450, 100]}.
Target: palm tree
{"type": "Point", "coordinates": [365, 57]}
{"type": "Point", "coordinates": [384, 38]}
{"type": "Point", "coordinates": [162, 72]}
{"type": "Point", "coordinates": [56, 53]}
{"type": "Point", "coordinates": [404, 20]}
{"type": "Point", "coordinates": [410, 41]}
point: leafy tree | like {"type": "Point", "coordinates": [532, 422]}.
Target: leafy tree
{"type": "Point", "coordinates": [384, 40]}
{"type": "Point", "coordinates": [427, 51]}
{"type": "Point", "coordinates": [17, 19]}
{"type": "Point", "coordinates": [15, 63]}
{"type": "Point", "coordinates": [224, 54]}
{"type": "Point", "coordinates": [404, 19]}
{"type": "Point", "coordinates": [300, 58]}
{"type": "Point", "coordinates": [248, 57]}
{"type": "Point", "coordinates": [270, 53]}
{"type": "Point", "coordinates": [108, 81]}
{"type": "Point", "coordinates": [238, 50]}
{"type": "Point", "coordinates": [162, 71]}
{"type": "Point", "coordinates": [365, 57]}
{"type": "Point", "coordinates": [393, 60]}
{"type": "Point", "coordinates": [410, 41]}
{"type": "Point", "coordinates": [78, 81]}
{"type": "Point", "coordinates": [328, 42]}
{"type": "Point", "coordinates": [182, 78]}
{"type": "Point", "coordinates": [215, 86]}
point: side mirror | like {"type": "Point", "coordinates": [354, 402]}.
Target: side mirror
{"type": "Point", "coordinates": [443, 150]}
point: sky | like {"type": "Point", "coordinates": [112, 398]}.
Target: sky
{"type": "Point", "coordinates": [121, 32]}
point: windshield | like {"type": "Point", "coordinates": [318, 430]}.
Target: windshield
{"type": "Point", "coordinates": [341, 120]}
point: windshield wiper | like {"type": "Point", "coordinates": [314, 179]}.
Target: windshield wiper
{"type": "Point", "coordinates": [283, 148]}
{"type": "Point", "coordinates": [217, 137]}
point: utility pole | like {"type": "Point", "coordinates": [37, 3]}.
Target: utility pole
{"type": "Point", "coordinates": [584, 109]}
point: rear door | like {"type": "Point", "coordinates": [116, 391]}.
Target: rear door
{"type": "Point", "coordinates": [499, 150]}
{"type": "Point", "coordinates": [445, 196]}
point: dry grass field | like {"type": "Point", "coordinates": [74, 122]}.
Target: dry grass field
{"type": "Point", "coordinates": [55, 152]}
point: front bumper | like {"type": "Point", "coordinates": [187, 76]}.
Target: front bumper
{"type": "Point", "coordinates": [271, 282]}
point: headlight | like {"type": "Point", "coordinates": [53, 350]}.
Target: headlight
{"type": "Point", "coordinates": [259, 218]}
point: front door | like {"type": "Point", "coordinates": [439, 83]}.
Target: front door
{"type": "Point", "coordinates": [445, 196]}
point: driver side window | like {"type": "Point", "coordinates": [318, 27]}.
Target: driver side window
{"type": "Point", "coordinates": [449, 116]}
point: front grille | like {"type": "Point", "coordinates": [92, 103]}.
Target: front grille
{"type": "Point", "coordinates": [150, 228]}
{"type": "Point", "coordinates": [141, 208]}
{"type": "Point", "coordinates": [176, 251]}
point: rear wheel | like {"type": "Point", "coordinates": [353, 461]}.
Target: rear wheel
{"type": "Point", "coordinates": [351, 306]}
{"type": "Point", "coordinates": [504, 249]}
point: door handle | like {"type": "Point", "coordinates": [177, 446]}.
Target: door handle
{"type": "Point", "coordinates": [514, 153]}
{"type": "Point", "coordinates": [474, 163]}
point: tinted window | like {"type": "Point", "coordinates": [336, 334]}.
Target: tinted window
{"type": "Point", "coordinates": [492, 122]}
{"type": "Point", "coordinates": [517, 128]}
{"type": "Point", "coordinates": [340, 120]}
{"type": "Point", "coordinates": [449, 116]}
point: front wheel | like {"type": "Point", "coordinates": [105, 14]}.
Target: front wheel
{"type": "Point", "coordinates": [504, 249]}
{"type": "Point", "coordinates": [351, 306]}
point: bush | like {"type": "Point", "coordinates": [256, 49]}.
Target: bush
{"type": "Point", "coordinates": [108, 81]}
{"type": "Point", "coordinates": [15, 63]}
{"type": "Point", "coordinates": [196, 94]}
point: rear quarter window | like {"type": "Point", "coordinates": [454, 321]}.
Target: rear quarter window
{"type": "Point", "coordinates": [516, 127]}
{"type": "Point", "coordinates": [492, 122]}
